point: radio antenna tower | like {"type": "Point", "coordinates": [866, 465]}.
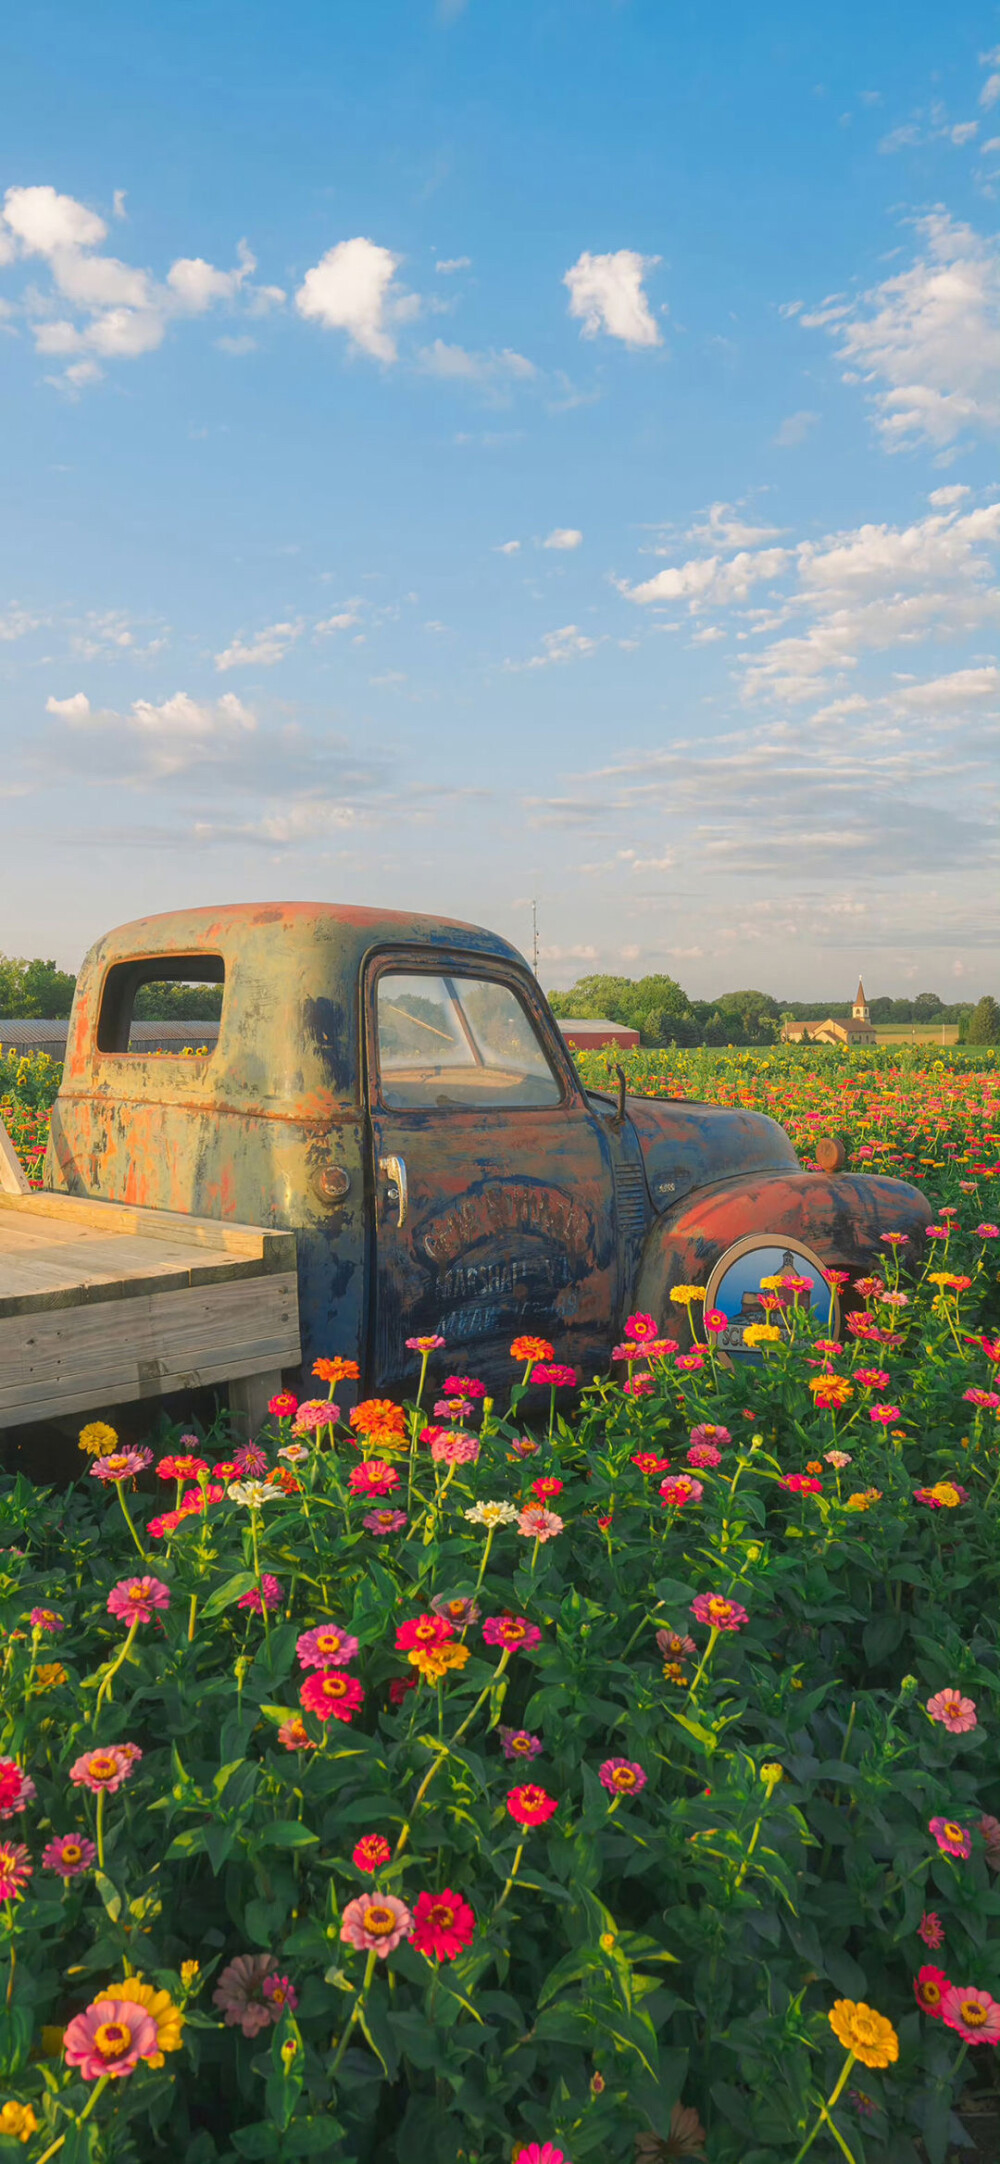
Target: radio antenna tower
{"type": "Point", "coordinates": [534, 936]}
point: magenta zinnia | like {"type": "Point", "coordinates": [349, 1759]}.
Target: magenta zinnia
{"type": "Point", "coordinates": [105, 1769]}
{"type": "Point", "coordinates": [952, 1839]}
{"type": "Point", "coordinates": [719, 1614]}
{"type": "Point", "coordinates": [69, 1854]}
{"type": "Point", "coordinates": [16, 1788]}
{"type": "Point", "coordinates": [331, 1695]}
{"type": "Point", "coordinates": [136, 1600]}
{"type": "Point", "coordinates": [326, 1647]}
{"type": "Point", "coordinates": [15, 1870]}
{"type": "Point", "coordinates": [621, 1776]}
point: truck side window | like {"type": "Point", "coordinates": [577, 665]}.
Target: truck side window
{"type": "Point", "coordinates": [457, 1041]}
{"type": "Point", "coordinates": [167, 1004]}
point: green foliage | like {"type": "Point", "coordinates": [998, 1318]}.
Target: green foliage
{"type": "Point", "coordinates": [168, 1001]}
{"type": "Point", "coordinates": [679, 1947]}
{"type": "Point", "coordinates": [663, 1014]}
{"type": "Point", "coordinates": [984, 1023]}
{"type": "Point", "coordinates": [37, 987]}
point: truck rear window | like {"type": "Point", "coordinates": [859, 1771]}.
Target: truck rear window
{"type": "Point", "coordinates": [166, 1004]}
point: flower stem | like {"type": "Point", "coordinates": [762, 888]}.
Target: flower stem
{"type": "Point", "coordinates": [824, 2112]}
{"type": "Point", "coordinates": [128, 1518]}
{"type": "Point", "coordinates": [515, 1867]}
{"type": "Point", "coordinates": [110, 1673]}
{"type": "Point", "coordinates": [490, 1530]}
{"type": "Point", "coordinates": [357, 2008]}
{"type": "Point", "coordinates": [702, 1665]}
{"type": "Point", "coordinates": [102, 1792]}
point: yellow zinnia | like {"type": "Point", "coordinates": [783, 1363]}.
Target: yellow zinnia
{"type": "Point", "coordinates": [761, 1333]}
{"type": "Point", "coordinates": [160, 2008]}
{"type": "Point", "coordinates": [863, 2032]}
{"type": "Point", "coordinates": [434, 1662]}
{"type": "Point", "coordinates": [97, 1439]}
{"type": "Point", "coordinates": [18, 2121]}
{"type": "Point", "coordinates": [686, 1295]}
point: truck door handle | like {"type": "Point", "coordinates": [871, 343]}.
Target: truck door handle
{"type": "Point", "coordinates": [395, 1170]}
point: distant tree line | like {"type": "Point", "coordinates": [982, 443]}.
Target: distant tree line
{"type": "Point", "coordinates": [39, 988]}
{"type": "Point", "coordinates": [664, 1015]}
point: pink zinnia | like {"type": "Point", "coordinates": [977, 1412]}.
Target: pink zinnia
{"type": "Point", "coordinates": [326, 1647]}
{"type": "Point", "coordinates": [952, 1839]}
{"type": "Point", "coordinates": [680, 1488]}
{"type": "Point", "coordinates": [540, 2152]}
{"type": "Point", "coordinates": [374, 1477]}
{"type": "Point", "coordinates": [884, 1414]}
{"type": "Point", "coordinates": [121, 1465]}
{"type": "Point", "coordinates": [538, 1524]}
{"type": "Point", "coordinates": [136, 1600]}
{"type": "Point", "coordinates": [384, 1521]}
{"type": "Point", "coordinates": [974, 2015]}
{"type": "Point", "coordinates": [455, 1449]}
{"type": "Point", "coordinates": [801, 1483]}
{"type": "Point", "coordinates": [716, 1319]}
{"type": "Point", "coordinates": [46, 1619]}
{"type": "Point", "coordinates": [110, 2038]}
{"type": "Point", "coordinates": [453, 1408]}
{"type": "Point", "coordinates": [331, 1695]}
{"type": "Point", "coordinates": [69, 1854]}
{"type": "Point", "coordinates": [838, 1458]}
{"type": "Point", "coordinates": [511, 1630]}
{"type": "Point", "coordinates": [181, 1466]}
{"type": "Point", "coordinates": [520, 1743]}
{"type": "Point", "coordinates": [689, 1363]}
{"type": "Point", "coordinates": [707, 1432]}
{"type": "Point", "coordinates": [375, 1923]}
{"type": "Point", "coordinates": [16, 1788]}
{"type": "Point", "coordinates": [621, 1776]}
{"type": "Point", "coordinates": [239, 1993]}
{"type": "Point", "coordinates": [463, 1386]}
{"type": "Point", "coordinates": [931, 1929]}
{"type": "Point", "coordinates": [555, 1376]}
{"type": "Point", "coordinates": [272, 1595]}
{"type": "Point", "coordinates": [313, 1413]}
{"type": "Point", "coordinates": [283, 1405]}
{"type": "Point", "coordinates": [641, 1386]}
{"type": "Point", "coordinates": [718, 1613]}
{"type": "Point", "coordinates": [639, 1327]}
{"type": "Point", "coordinates": [952, 1711]}
{"type": "Point", "coordinates": [986, 1400]}
{"type": "Point", "coordinates": [251, 1462]}
{"type": "Point", "coordinates": [279, 1993]}
{"type": "Point", "coordinates": [105, 1768]}
{"type": "Point", "coordinates": [16, 1868]}
{"type": "Point", "coordinates": [704, 1455]}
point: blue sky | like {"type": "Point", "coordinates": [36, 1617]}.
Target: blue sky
{"type": "Point", "coordinates": [455, 453]}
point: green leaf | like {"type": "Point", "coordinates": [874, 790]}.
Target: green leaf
{"type": "Point", "coordinates": [109, 1895]}
{"type": "Point", "coordinates": [225, 1595]}
{"type": "Point", "coordinates": [286, 1833]}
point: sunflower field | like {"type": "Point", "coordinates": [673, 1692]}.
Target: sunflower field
{"type": "Point", "coordinates": [607, 1772]}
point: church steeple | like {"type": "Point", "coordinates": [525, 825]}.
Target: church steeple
{"type": "Point", "coordinates": [859, 1010]}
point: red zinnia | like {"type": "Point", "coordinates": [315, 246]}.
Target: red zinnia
{"type": "Point", "coordinates": [929, 1989]}
{"type": "Point", "coordinates": [531, 1806]}
{"type": "Point", "coordinates": [443, 1925]}
{"type": "Point", "coordinates": [331, 1695]}
{"type": "Point", "coordinates": [370, 1852]}
{"type": "Point", "coordinates": [423, 1630]}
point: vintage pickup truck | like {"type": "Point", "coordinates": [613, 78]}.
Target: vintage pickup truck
{"type": "Point", "coordinates": [395, 1092]}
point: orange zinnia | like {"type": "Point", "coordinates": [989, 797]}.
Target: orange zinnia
{"type": "Point", "coordinates": [337, 1371]}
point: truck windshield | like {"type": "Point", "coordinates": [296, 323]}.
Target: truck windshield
{"type": "Point", "coordinates": [458, 1041]}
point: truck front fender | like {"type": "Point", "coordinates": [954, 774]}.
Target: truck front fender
{"type": "Point", "coordinates": [841, 1218]}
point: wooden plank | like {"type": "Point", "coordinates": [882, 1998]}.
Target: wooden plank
{"type": "Point", "coordinates": [105, 1269]}
{"type": "Point", "coordinates": [75, 1359]}
{"type": "Point", "coordinates": [13, 1178]}
{"type": "Point", "coordinates": [273, 1247]}
{"type": "Point", "coordinates": [249, 1397]}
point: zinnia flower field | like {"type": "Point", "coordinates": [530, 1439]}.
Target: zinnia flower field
{"type": "Point", "coordinates": [606, 1766]}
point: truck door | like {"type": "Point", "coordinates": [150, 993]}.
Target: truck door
{"type": "Point", "coordinates": [493, 1199]}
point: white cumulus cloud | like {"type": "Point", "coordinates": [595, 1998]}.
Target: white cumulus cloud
{"type": "Point", "coordinates": [606, 294]}
{"type": "Point", "coordinates": [75, 709]}
{"type": "Point", "coordinates": [563, 537]}
{"type": "Point", "coordinates": [262, 649]}
{"type": "Point", "coordinates": [352, 289]}
{"type": "Point", "coordinates": [928, 338]}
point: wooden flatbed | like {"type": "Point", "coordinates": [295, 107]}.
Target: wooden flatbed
{"type": "Point", "coordinates": [102, 1304]}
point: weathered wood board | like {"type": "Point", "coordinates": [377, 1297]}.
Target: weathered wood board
{"type": "Point", "coordinates": [102, 1304]}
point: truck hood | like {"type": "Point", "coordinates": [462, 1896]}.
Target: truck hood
{"type": "Point", "coordinates": [689, 1144]}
